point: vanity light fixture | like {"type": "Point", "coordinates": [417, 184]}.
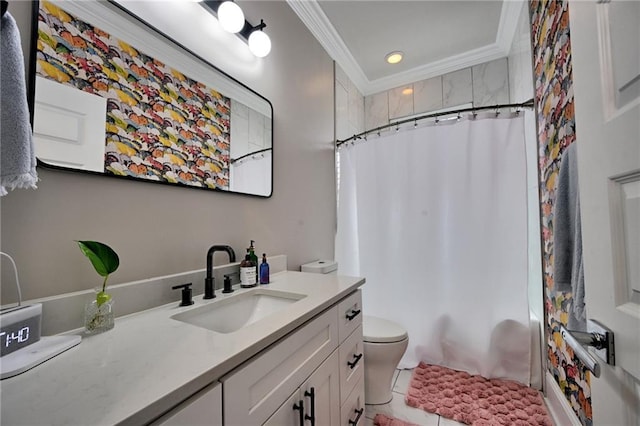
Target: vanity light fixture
{"type": "Point", "coordinates": [232, 19]}
{"type": "Point", "coordinates": [394, 57]}
{"type": "Point", "coordinates": [230, 16]}
{"type": "Point", "coordinates": [259, 41]}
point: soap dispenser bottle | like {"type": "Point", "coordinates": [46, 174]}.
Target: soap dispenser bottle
{"type": "Point", "coordinates": [264, 270]}
{"type": "Point", "coordinates": [254, 258]}
{"type": "Point", "coordinates": [247, 272]}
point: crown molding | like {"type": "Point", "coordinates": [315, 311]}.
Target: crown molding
{"type": "Point", "coordinates": [317, 22]}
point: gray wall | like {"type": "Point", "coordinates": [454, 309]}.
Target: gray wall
{"type": "Point", "coordinates": [158, 229]}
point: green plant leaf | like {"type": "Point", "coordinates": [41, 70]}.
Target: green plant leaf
{"type": "Point", "coordinates": [102, 257]}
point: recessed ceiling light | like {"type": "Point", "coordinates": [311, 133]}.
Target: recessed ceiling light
{"type": "Point", "coordinates": [394, 57]}
{"type": "Point", "coordinates": [407, 91]}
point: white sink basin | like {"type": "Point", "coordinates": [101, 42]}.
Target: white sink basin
{"type": "Point", "coordinates": [237, 311]}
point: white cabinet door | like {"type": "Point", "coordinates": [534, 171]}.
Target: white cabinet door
{"type": "Point", "coordinates": [321, 394]}
{"type": "Point", "coordinates": [605, 43]}
{"type": "Point", "coordinates": [204, 408]}
{"type": "Point", "coordinates": [316, 402]}
{"type": "Point", "coordinates": [291, 413]}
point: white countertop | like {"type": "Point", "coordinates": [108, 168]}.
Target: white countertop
{"type": "Point", "coordinates": [150, 362]}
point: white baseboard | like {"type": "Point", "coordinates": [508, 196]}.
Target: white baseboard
{"type": "Point", "coordinates": [558, 406]}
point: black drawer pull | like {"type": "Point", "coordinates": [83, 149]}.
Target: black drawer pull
{"type": "Point", "coordinates": [356, 358]}
{"type": "Point", "coordinates": [354, 313]}
{"type": "Point", "coordinates": [359, 413]}
{"type": "Point", "coordinates": [300, 407]}
{"type": "Point", "coordinates": [312, 396]}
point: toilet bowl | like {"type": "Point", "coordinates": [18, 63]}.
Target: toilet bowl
{"type": "Point", "coordinates": [384, 344]}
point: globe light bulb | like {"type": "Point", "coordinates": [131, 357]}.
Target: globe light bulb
{"type": "Point", "coordinates": [231, 17]}
{"type": "Point", "coordinates": [259, 44]}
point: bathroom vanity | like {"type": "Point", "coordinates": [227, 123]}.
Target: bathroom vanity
{"type": "Point", "coordinates": [300, 358]}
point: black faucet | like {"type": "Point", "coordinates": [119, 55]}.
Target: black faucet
{"type": "Point", "coordinates": [208, 281]}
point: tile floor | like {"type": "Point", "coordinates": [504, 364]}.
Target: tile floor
{"type": "Point", "coordinates": [398, 409]}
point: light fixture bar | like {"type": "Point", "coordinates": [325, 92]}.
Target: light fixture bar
{"type": "Point", "coordinates": [245, 32]}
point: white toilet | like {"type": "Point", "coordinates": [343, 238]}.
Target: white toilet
{"type": "Point", "coordinates": [384, 344]}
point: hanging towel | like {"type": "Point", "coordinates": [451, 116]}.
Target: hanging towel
{"type": "Point", "coordinates": [17, 156]}
{"type": "Point", "coordinates": [568, 272]}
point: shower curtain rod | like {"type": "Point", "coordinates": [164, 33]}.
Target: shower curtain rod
{"type": "Point", "coordinates": [526, 104]}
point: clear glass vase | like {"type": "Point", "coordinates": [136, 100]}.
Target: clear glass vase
{"type": "Point", "coordinates": [98, 319]}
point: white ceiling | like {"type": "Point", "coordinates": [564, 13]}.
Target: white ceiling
{"type": "Point", "coordinates": [436, 37]}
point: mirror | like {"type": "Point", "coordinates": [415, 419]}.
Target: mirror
{"type": "Point", "coordinates": [114, 96]}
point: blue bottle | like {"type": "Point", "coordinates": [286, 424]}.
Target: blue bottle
{"type": "Point", "coordinates": [264, 270]}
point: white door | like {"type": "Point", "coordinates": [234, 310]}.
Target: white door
{"type": "Point", "coordinates": [69, 126]}
{"type": "Point", "coordinates": [605, 44]}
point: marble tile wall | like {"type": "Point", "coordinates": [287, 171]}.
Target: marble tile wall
{"type": "Point", "coordinates": [251, 131]}
{"type": "Point", "coordinates": [490, 83]}
{"type": "Point", "coordinates": [484, 84]}
{"type": "Point", "coordinates": [457, 88]}
{"type": "Point", "coordinates": [349, 106]}
{"type": "Point", "coordinates": [520, 62]}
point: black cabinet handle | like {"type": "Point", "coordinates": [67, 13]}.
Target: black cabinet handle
{"type": "Point", "coordinates": [354, 313]}
{"type": "Point", "coordinates": [312, 397]}
{"type": "Point", "coordinates": [359, 413]}
{"type": "Point", "coordinates": [356, 358]}
{"type": "Point", "coordinates": [299, 406]}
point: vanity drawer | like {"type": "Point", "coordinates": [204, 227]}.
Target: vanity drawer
{"type": "Point", "coordinates": [254, 391]}
{"type": "Point", "coordinates": [352, 410]}
{"type": "Point", "coordinates": [349, 314]}
{"type": "Point", "coordinates": [351, 362]}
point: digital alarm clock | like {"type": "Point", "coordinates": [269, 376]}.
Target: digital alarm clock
{"type": "Point", "coordinates": [21, 346]}
{"type": "Point", "coordinates": [19, 327]}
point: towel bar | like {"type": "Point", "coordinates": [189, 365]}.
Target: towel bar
{"type": "Point", "coordinates": [599, 337]}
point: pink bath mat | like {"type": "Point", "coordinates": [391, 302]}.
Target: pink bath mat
{"type": "Point", "coordinates": [383, 420]}
{"type": "Point", "coordinates": [474, 400]}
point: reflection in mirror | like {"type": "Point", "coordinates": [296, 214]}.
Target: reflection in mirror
{"type": "Point", "coordinates": [113, 96]}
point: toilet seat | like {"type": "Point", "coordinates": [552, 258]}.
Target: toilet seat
{"type": "Point", "coordinates": [378, 330]}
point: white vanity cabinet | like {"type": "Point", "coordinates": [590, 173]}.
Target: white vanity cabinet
{"type": "Point", "coordinates": [314, 376]}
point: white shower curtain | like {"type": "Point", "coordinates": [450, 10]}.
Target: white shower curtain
{"type": "Point", "coordinates": [435, 219]}
{"type": "Point", "coordinates": [252, 175]}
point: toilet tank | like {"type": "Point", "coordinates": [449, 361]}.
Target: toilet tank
{"type": "Point", "coordinates": [321, 267]}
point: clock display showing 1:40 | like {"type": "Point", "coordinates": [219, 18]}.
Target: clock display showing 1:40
{"type": "Point", "coordinates": [19, 334]}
